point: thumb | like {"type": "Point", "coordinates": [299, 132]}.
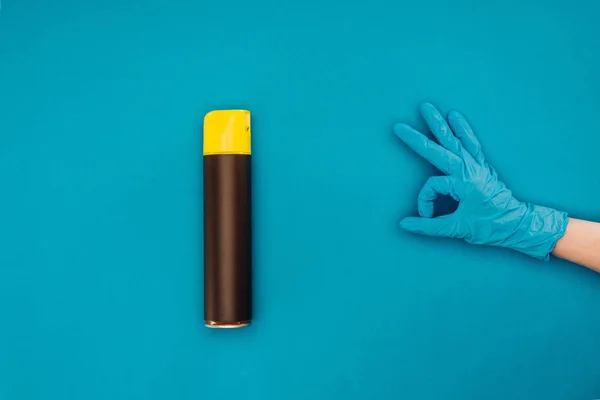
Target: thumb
{"type": "Point", "coordinates": [440, 226]}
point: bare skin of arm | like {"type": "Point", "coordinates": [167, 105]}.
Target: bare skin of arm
{"type": "Point", "coordinates": [580, 244]}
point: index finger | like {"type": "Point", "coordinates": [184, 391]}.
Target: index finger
{"type": "Point", "coordinates": [441, 158]}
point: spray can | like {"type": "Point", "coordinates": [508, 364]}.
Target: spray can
{"type": "Point", "coordinates": [227, 219]}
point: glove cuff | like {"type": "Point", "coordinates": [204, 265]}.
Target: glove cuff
{"type": "Point", "coordinates": [541, 227]}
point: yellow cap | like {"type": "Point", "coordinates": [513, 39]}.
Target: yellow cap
{"type": "Point", "coordinates": [227, 132]}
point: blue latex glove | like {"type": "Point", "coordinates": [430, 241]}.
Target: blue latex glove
{"type": "Point", "coordinates": [487, 212]}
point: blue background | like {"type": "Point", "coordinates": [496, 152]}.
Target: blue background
{"type": "Point", "coordinates": [101, 107]}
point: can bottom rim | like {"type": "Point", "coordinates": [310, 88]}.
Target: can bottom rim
{"type": "Point", "coordinates": [225, 325]}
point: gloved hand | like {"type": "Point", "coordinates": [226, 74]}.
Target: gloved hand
{"type": "Point", "coordinates": [487, 212]}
